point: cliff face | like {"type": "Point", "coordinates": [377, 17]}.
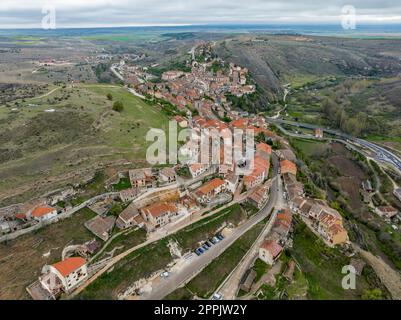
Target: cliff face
{"type": "Point", "coordinates": [260, 70]}
{"type": "Point", "coordinates": [275, 60]}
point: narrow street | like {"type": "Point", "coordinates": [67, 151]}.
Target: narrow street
{"type": "Point", "coordinates": [230, 286]}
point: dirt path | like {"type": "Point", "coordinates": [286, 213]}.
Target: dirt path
{"type": "Point", "coordinates": [378, 183]}
{"type": "Point", "coordinates": [46, 94]}
{"type": "Point", "coordinates": [389, 277]}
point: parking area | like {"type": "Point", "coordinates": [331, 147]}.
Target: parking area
{"type": "Point", "coordinates": [209, 243]}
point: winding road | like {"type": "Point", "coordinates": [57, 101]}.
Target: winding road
{"type": "Point", "coordinates": [381, 154]}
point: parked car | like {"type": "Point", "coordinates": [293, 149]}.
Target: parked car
{"type": "Point", "coordinates": [217, 296]}
{"type": "Point", "coordinates": [205, 247]}
{"type": "Point", "coordinates": [220, 237]}
{"type": "Point", "coordinates": [208, 243]}
{"type": "Point", "coordinates": [165, 274]}
{"type": "Point", "coordinates": [198, 252]}
{"type": "Point", "coordinates": [215, 239]}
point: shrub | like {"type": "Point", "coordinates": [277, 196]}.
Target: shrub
{"type": "Point", "coordinates": [118, 106]}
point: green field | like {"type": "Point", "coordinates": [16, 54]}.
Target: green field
{"type": "Point", "coordinates": [180, 294]}
{"type": "Point", "coordinates": [123, 184]}
{"type": "Point", "coordinates": [128, 129]}
{"type": "Point", "coordinates": [260, 268]}
{"type": "Point", "coordinates": [308, 147]}
{"type": "Point", "coordinates": [322, 267]}
{"type": "Point", "coordinates": [128, 37]}
{"type": "Point", "coordinates": [82, 133]}
{"type": "Point", "coordinates": [123, 242]}
{"type": "Point", "coordinates": [285, 290]}
{"type": "Point", "coordinates": [389, 141]}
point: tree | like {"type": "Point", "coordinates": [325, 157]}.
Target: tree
{"type": "Point", "coordinates": [118, 106]}
{"type": "Point", "coordinates": [110, 96]}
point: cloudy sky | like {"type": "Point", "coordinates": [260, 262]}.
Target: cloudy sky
{"type": "Point", "coordinates": [91, 13]}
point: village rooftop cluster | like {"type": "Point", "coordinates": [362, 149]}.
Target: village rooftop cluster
{"type": "Point", "coordinates": [160, 200]}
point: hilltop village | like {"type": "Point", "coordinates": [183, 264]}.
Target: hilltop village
{"type": "Point", "coordinates": [164, 200]}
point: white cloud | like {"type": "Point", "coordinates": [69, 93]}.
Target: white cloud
{"type": "Point", "coordinates": [27, 13]}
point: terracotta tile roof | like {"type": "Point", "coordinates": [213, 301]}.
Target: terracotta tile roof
{"type": "Point", "coordinates": [261, 167]}
{"type": "Point", "coordinates": [129, 193]}
{"type": "Point", "coordinates": [261, 163]}
{"type": "Point", "coordinates": [216, 124]}
{"type": "Point", "coordinates": [41, 211]}
{"type": "Point", "coordinates": [263, 147]}
{"type": "Point", "coordinates": [159, 209]}
{"type": "Point", "coordinates": [336, 229]}
{"type": "Point", "coordinates": [240, 123]}
{"type": "Point", "coordinates": [387, 209]}
{"type": "Point", "coordinates": [287, 166]}
{"type": "Point", "coordinates": [258, 193]}
{"type": "Point", "coordinates": [256, 173]}
{"type": "Point", "coordinates": [210, 186]}
{"type": "Point", "coordinates": [272, 246]}
{"type": "Point", "coordinates": [196, 166]}
{"type": "Point", "coordinates": [69, 265]}
{"type": "Point", "coordinates": [281, 228]}
{"type": "Point", "coordinates": [285, 216]}
{"type": "Point", "coordinates": [328, 220]}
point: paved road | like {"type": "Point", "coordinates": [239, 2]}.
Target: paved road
{"type": "Point", "coordinates": [230, 286]}
{"type": "Point", "coordinates": [381, 153]}
{"type": "Point", "coordinates": [312, 137]}
{"type": "Point", "coordinates": [116, 73]}
{"type": "Point", "coordinates": [195, 265]}
{"type": "Point", "coordinates": [60, 216]}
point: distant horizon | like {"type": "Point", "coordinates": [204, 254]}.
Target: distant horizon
{"type": "Point", "coordinates": [217, 24]}
{"type": "Point", "coordinates": [308, 29]}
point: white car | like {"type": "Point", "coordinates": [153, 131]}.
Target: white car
{"type": "Point", "coordinates": [217, 296]}
{"type": "Point", "coordinates": [165, 274]}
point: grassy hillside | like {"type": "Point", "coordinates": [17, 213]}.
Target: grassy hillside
{"type": "Point", "coordinates": [345, 83]}
{"type": "Point", "coordinates": [82, 132]}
